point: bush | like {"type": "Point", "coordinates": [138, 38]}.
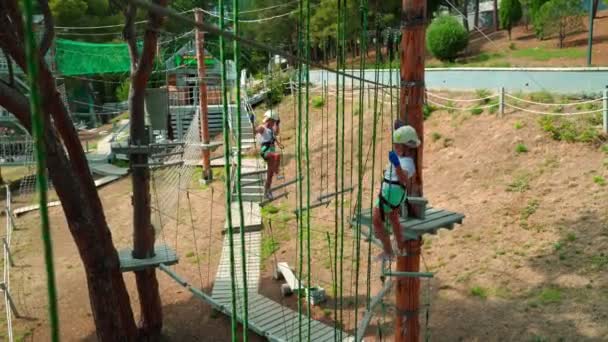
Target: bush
{"type": "Point", "coordinates": [277, 85]}
{"type": "Point", "coordinates": [510, 13]}
{"type": "Point", "coordinates": [122, 91]}
{"type": "Point", "coordinates": [560, 17]}
{"type": "Point", "coordinates": [446, 37]}
{"type": "Point", "coordinates": [476, 111]}
{"type": "Point", "coordinates": [427, 110]}
{"type": "Point", "coordinates": [318, 101]}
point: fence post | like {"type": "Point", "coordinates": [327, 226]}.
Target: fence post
{"type": "Point", "coordinates": [501, 102]}
{"type": "Point", "coordinates": [605, 111]}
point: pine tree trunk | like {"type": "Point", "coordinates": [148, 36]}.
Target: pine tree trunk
{"type": "Point", "coordinates": [476, 23]}
{"type": "Point", "coordinates": [495, 16]}
{"type": "Point", "coordinates": [465, 12]}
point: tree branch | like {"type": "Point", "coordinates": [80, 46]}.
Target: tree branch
{"type": "Point", "coordinates": [49, 27]}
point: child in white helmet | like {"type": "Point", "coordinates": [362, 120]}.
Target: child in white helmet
{"type": "Point", "coordinates": [268, 132]}
{"type": "Point", "coordinates": [393, 192]}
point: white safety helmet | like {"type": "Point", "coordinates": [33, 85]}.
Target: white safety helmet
{"type": "Point", "coordinates": [406, 135]}
{"type": "Point", "coordinates": [271, 114]}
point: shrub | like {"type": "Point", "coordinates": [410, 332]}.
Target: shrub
{"type": "Point", "coordinates": [482, 94]}
{"type": "Point", "coordinates": [510, 13]}
{"type": "Point", "coordinates": [446, 37]}
{"type": "Point", "coordinates": [277, 85]}
{"type": "Point", "coordinates": [476, 111]}
{"type": "Point", "coordinates": [122, 91]}
{"type": "Point", "coordinates": [318, 101]}
{"type": "Point", "coordinates": [521, 148]}
{"type": "Point", "coordinates": [518, 124]}
{"type": "Point", "coordinates": [427, 110]}
{"type": "Point", "coordinates": [435, 136]}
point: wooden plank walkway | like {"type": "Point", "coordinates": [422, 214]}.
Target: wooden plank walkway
{"type": "Point", "coordinates": [265, 316]}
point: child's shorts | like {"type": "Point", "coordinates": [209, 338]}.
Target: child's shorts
{"type": "Point", "coordinates": [265, 150]}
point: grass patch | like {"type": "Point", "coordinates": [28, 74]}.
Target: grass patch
{"type": "Point", "coordinates": [518, 125]}
{"type": "Point", "coordinates": [604, 148]}
{"type": "Point", "coordinates": [571, 237]}
{"type": "Point", "coordinates": [530, 209]}
{"type": "Point", "coordinates": [569, 130]}
{"type": "Point", "coordinates": [318, 102]}
{"type": "Point", "coordinates": [435, 136]}
{"type": "Point", "coordinates": [120, 163]}
{"type": "Point", "coordinates": [480, 292]}
{"type": "Point", "coordinates": [521, 148]}
{"type": "Point", "coordinates": [521, 183]}
{"type": "Point", "coordinates": [512, 47]}
{"type": "Point", "coordinates": [599, 261]}
{"type": "Point", "coordinates": [541, 96]}
{"type": "Point", "coordinates": [476, 111]}
{"type": "Point", "coordinates": [544, 54]}
{"type": "Point", "coordinates": [120, 117]}
{"type": "Point", "coordinates": [482, 94]}
{"type": "Point", "coordinates": [494, 103]}
{"type": "Point", "coordinates": [451, 107]}
{"type": "Point", "coordinates": [599, 180]}
{"type": "Point", "coordinates": [549, 296]}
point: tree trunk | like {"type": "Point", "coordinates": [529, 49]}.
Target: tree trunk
{"type": "Point", "coordinates": [595, 5]}
{"type": "Point", "coordinates": [495, 16]}
{"type": "Point", "coordinates": [465, 12]}
{"type": "Point", "coordinates": [476, 23]}
{"type": "Point", "coordinates": [143, 232]}
{"type": "Point", "coordinates": [82, 207]}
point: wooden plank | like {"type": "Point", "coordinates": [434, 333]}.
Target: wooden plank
{"type": "Point", "coordinates": [163, 255]}
{"type": "Point", "coordinates": [439, 222]}
{"type": "Point", "coordinates": [410, 222]}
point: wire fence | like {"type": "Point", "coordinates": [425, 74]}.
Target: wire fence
{"type": "Point", "coordinates": [5, 286]}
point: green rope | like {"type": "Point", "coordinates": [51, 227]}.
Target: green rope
{"type": "Point", "coordinates": [374, 130]}
{"type": "Point", "coordinates": [363, 9]}
{"type": "Point", "coordinates": [306, 146]}
{"type": "Point", "coordinates": [341, 24]}
{"type": "Point", "coordinates": [299, 161]}
{"type": "Point", "coordinates": [237, 67]}
{"type": "Point", "coordinates": [31, 52]}
{"type": "Point", "coordinates": [228, 188]}
{"type": "Point", "coordinates": [337, 289]}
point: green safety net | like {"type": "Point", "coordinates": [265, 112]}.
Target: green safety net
{"type": "Point", "coordinates": [81, 58]}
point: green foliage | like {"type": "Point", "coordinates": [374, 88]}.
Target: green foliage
{"type": "Point", "coordinates": [482, 93]}
{"type": "Point", "coordinates": [512, 47]}
{"type": "Point", "coordinates": [269, 246]}
{"type": "Point", "coordinates": [277, 85]}
{"type": "Point", "coordinates": [68, 11]}
{"type": "Point", "coordinates": [599, 180]}
{"type": "Point", "coordinates": [521, 148]}
{"type": "Point", "coordinates": [521, 183]}
{"type": "Point", "coordinates": [518, 124]}
{"type": "Point", "coordinates": [122, 91]}
{"type": "Point", "coordinates": [446, 37]}
{"type": "Point", "coordinates": [427, 110]}
{"type": "Point", "coordinates": [318, 101]}
{"type": "Point", "coordinates": [435, 136]}
{"type": "Point", "coordinates": [559, 17]}
{"type": "Point", "coordinates": [541, 96]}
{"type": "Point", "coordinates": [476, 111]}
{"type": "Point", "coordinates": [550, 296]}
{"type": "Point", "coordinates": [569, 130]}
{"type": "Point", "coordinates": [543, 54]}
{"type": "Point", "coordinates": [530, 209]}
{"type": "Point", "coordinates": [480, 292]}
{"type": "Point", "coordinates": [510, 13]}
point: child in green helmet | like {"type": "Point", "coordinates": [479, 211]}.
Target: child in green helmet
{"type": "Point", "coordinates": [393, 191]}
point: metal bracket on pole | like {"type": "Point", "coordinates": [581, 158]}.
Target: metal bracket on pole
{"type": "Point", "coordinates": [412, 84]}
{"type": "Point", "coordinates": [10, 300]}
{"type": "Point", "coordinates": [408, 274]}
{"type": "Point", "coordinates": [410, 20]}
{"type": "Point", "coordinates": [8, 250]}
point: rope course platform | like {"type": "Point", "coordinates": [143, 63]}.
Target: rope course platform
{"type": "Point", "coordinates": [162, 255]}
{"type": "Point", "coordinates": [414, 228]}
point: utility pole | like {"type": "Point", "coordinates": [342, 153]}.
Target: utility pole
{"type": "Point", "coordinates": [207, 175]}
{"type": "Point", "coordinates": [413, 25]}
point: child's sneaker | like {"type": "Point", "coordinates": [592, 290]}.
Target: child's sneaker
{"type": "Point", "coordinates": [396, 250]}
{"type": "Point", "coordinates": [268, 195]}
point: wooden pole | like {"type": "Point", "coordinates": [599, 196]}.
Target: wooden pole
{"type": "Point", "coordinates": [413, 25]}
{"type": "Point", "coordinates": [207, 175]}
{"type": "Point", "coordinates": [590, 40]}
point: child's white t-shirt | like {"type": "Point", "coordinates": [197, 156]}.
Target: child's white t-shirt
{"type": "Point", "coordinates": [407, 164]}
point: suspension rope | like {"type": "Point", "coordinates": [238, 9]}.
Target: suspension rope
{"type": "Point", "coordinates": [38, 122]}
{"type": "Point", "coordinates": [237, 66]}
{"type": "Point", "coordinates": [227, 185]}
{"type": "Point", "coordinates": [307, 156]}
{"type": "Point", "coordinates": [299, 196]}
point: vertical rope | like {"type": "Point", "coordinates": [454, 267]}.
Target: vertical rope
{"type": "Point", "coordinates": [338, 295]}
{"type": "Point", "coordinates": [306, 147]}
{"type": "Point", "coordinates": [299, 160]}
{"type": "Point", "coordinates": [31, 52]}
{"type": "Point", "coordinates": [237, 67]}
{"type": "Point", "coordinates": [363, 9]}
{"type": "Point", "coordinates": [341, 64]}
{"type": "Point", "coordinates": [227, 185]}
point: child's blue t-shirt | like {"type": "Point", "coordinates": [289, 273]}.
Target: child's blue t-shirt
{"type": "Point", "coordinates": [407, 164]}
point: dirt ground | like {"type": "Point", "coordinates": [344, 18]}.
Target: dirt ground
{"type": "Point", "coordinates": [528, 263]}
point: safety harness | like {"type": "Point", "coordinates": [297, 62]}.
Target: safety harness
{"type": "Point", "coordinates": [265, 146]}
{"type": "Point", "coordinates": [383, 201]}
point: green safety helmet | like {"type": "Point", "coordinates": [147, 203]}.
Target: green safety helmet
{"type": "Point", "coordinates": [406, 135]}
